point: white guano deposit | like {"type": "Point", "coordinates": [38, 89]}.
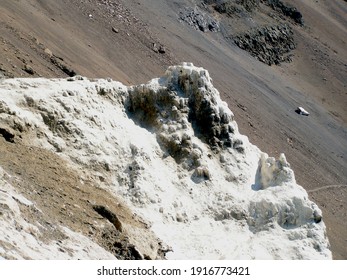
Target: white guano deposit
{"type": "Point", "coordinates": [172, 151]}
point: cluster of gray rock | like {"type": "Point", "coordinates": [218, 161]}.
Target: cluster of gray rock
{"type": "Point", "coordinates": [269, 44]}
{"type": "Point", "coordinates": [195, 18]}
{"type": "Point", "coordinates": [240, 7]}
{"type": "Point", "coordinates": [287, 9]}
{"type": "Point", "coordinates": [235, 7]}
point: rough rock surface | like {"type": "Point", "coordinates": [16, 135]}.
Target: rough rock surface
{"type": "Point", "coordinates": [267, 39]}
{"type": "Point", "coordinates": [235, 7]}
{"type": "Point", "coordinates": [170, 113]}
{"type": "Point", "coordinates": [269, 44]}
{"type": "Point", "coordinates": [199, 20]}
{"type": "Point", "coordinates": [287, 9]}
{"type": "Point", "coordinates": [262, 98]}
{"type": "Point", "coordinates": [241, 7]}
{"type": "Point", "coordinates": [150, 146]}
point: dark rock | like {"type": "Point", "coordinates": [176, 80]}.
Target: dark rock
{"type": "Point", "coordinates": [118, 244]}
{"type": "Point", "coordinates": [269, 44]}
{"type": "Point", "coordinates": [27, 68]}
{"type": "Point", "coordinates": [62, 67]}
{"type": "Point", "coordinates": [287, 9]}
{"type": "Point", "coordinates": [7, 134]}
{"type": "Point", "coordinates": [110, 216]}
{"type": "Point", "coordinates": [317, 217]}
{"type": "Point", "coordinates": [249, 5]}
{"type": "Point", "coordinates": [235, 7]}
{"type": "Point", "coordinates": [162, 50]}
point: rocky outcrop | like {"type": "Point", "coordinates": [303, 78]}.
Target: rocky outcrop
{"type": "Point", "coordinates": [241, 7]}
{"type": "Point", "coordinates": [272, 43]}
{"type": "Point", "coordinates": [269, 44]}
{"type": "Point", "coordinates": [287, 9]}
{"type": "Point", "coordinates": [199, 20]}
{"type": "Point", "coordinates": [235, 7]}
{"type": "Point", "coordinates": [171, 151]}
{"type": "Point", "coordinates": [187, 99]}
{"type": "Point", "coordinates": [274, 172]}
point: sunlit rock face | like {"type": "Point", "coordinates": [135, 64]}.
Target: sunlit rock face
{"type": "Point", "coordinates": [171, 150]}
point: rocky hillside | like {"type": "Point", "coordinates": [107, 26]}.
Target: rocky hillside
{"type": "Point", "coordinates": [263, 28]}
{"type": "Point", "coordinates": [168, 151]}
{"type": "Point", "coordinates": [134, 41]}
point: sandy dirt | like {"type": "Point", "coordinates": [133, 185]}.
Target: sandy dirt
{"type": "Point", "coordinates": [66, 199]}
{"type": "Point", "coordinates": [116, 38]}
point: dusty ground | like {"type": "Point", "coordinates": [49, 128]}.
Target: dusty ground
{"type": "Point", "coordinates": [52, 39]}
{"type": "Point", "coordinates": [66, 199]}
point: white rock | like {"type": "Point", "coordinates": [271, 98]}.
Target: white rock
{"type": "Point", "coordinates": [274, 217]}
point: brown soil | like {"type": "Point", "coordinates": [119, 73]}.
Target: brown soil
{"type": "Point", "coordinates": [117, 41]}
{"type": "Point", "coordinates": [65, 199]}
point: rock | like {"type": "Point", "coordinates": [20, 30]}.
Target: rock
{"type": "Point", "coordinates": [48, 52]}
{"type": "Point", "coordinates": [162, 50]}
{"type": "Point", "coordinates": [109, 215]}
{"type": "Point", "coordinates": [287, 9]}
{"type": "Point", "coordinates": [238, 7]}
{"type": "Point", "coordinates": [62, 67]}
{"type": "Point", "coordinates": [115, 30]}
{"type": "Point", "coordinates": [7, 134]}
{"type": "Point", "coordinates": [274, 172]}
{"type": "Point", "coordinates": [201, 173]}
{"type": "Point", "coordinates": [195, 18]}
{"type": "Point", "coordinates": [188, 99]}
{"type": "Point", "coordinates": [155, 48]}
{"type": "Point", "coordinates": [179, 218]}
{"type": "Point", "coordinates": [269, 44]}
{"type": "Point", "coordinates": [317, 216]}
{"type": "Point", "coordinates": [27, 68]}
{"type": "Point", "coordinates": [98, 134]}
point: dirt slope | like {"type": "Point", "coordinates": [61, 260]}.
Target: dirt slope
{"type": "Point", "coordinates": [54, 38]}
{"type": "Point", "coordinates": [66, 197]}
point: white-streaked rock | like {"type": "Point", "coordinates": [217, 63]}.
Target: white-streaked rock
{"type": "Point", "coordinates": [166, 158]}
